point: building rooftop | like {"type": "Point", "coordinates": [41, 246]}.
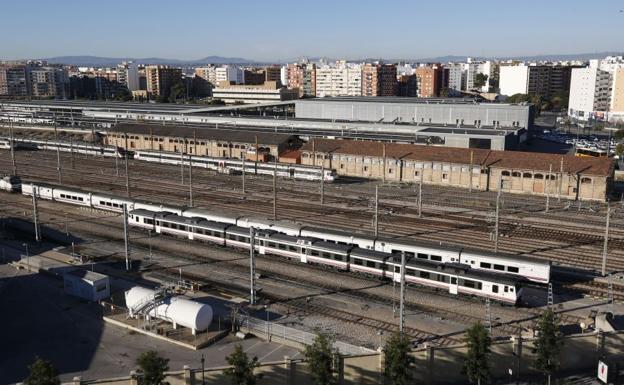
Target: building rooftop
{"type": "Point", "coordinates": [404, 100]}
{"type": "Point", "coordinates": [201, 133]}
{"type": "Point", "coordinates": [513, 160]}
{"type": "Point", "coordinates": [90, 276]}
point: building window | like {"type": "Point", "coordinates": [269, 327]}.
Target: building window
{"type": "Point", "coordinates": [445, 176]}
{"type": "Point", "coordinates": [389, 171]}
{"type": "Point", "coordinates": [365, 168]}
{"type": "Point", "coordinates": [527, 175]}
{"type": "Point", "coordinates": [342, 166]}
{"type": "Point", "coordinates": [505, 173]}
{"type": "Point", "coordinates": [416, 173]}
{"type": "Point", "coordinates": [586, 180]}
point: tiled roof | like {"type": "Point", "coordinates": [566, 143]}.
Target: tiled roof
{"type": "Point", "coordinates": [512, 160]}
{"type": "Point", "coordinates": [201, 133]}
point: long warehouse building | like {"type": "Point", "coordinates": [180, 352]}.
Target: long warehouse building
{"type": "Point", "coordinates": [518, 172]}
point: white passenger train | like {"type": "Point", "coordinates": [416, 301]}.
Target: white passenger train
{"type": "Point", "coordinates": [10, 183]}
{"type": "Point", "coordinates": [455, 278]}
{"type": "Point", "coordinates": [528, 268]}
{"type": "Point", "coordinates": [231, 166]}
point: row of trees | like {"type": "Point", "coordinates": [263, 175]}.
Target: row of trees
{"type": "Point", "coordinates": [558, 102]}
{"type": "Point", "coordinates": [321, 358]}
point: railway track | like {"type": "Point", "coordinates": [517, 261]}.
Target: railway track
{"type": "Point", "coordinates": [394, 226]}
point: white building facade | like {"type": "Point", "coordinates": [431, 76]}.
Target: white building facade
{"type": "Point", "coordinates": [514, 79]}
{"type": "Point", "coordinates": [229, 73]}
{"type": "Point", "coordinates": [341, 79]}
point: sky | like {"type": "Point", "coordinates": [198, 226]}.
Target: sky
{"type": "Point", "coordinates": [288, 29]}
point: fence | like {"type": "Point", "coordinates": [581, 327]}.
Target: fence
{"type": "Point", "coordinates": [268, 330]}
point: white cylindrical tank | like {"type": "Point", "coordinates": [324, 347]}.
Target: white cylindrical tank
{"type": "Point", "coordinates": [181, 311]}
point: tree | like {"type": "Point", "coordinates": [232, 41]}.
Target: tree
{"type": "Point", "coordinates": [42, 372]}
{"type": "Point", "coordinates": [480, 80]}
{"type": "Point", "coordinates": [178, 90]}
{"type": "Point", "coordinates": [242, 369]}
{"type": "Point", "coordinates": [398, 361]}
{"type": "Point", "coordinates": [320, 359]}
{"type": "Point", "coordinates": [476, 365]}
{"type": "Point", "coordinates": [153, 367]}
{"type": "Point", "coordinates": [444, 92]}
{"type": "Point", "coordinates": [619, 135]}
{"type": "Point", "coordinates": [548, 343]}
{"type": "Point", "coordinates": [619, 150]}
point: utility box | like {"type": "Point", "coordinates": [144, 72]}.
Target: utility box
{"type": "Point", "coordinates": [85, 284]}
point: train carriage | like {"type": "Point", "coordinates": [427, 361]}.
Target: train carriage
{"type": "Point", "coordinates": [369, 262]}
{"type": "Point", "coordinates": [282, 245]}
{"type": "Point", "coordinates": [211, 215]}
{"type": "Point", "coordinates": [328, 254]}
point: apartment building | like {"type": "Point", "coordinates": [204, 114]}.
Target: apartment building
{"type": "Point", "coordinates": [14, 80]}
{"type": "Point", "coordinates": [253, 76]}
{"type": "Point", "coordinates": [303, 77]}
{"type": "Point", "coordinates": [49, 82]}
{"type": "Point", "coordinates": [617, 100]}
{"type": "Point", "coordinates": [407, 86]}
{"type": "Point", "coordinates": [379, 80]}
{"type": "Point", "coordinates": [273, 74]}
{"type": "Point", "coordinates": [593, 91]}
{"type": "Point", "coordinates": [535, 79]}
{"type": "Point", "coordinates": [428, 79]}
{"type": "Point", "coordinates": [455, 76]}
{"type": "Point", "coordinates": [341, 79]}
{"type": "Point", "coordinates": [229, 73]}
{"type": "Point", "coordinates": [128, 75]}
{"type": "Point", "coordinates": [208, 73]}
{"type": "Point", "coordinates": [161, 78]}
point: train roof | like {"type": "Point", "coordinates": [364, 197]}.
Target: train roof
{"type": "Point", "coordinates": [340, 233]}
{"type": "Point", "coordinates": [331, 246]}
{"type": "Point", "coordinates": [421, 243]}
{"type": "Point", "coordinates": [143, 212]}
{"type": "Point", "coordinates": [507, 256]}
{"type": "Point", "coordinates": [370, 254]}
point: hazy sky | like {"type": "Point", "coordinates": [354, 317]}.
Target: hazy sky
{"type": "Point", "coordinates": [284, 29]}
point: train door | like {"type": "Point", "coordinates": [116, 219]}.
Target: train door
{"type": "Point", "coordinates": [453, 285]}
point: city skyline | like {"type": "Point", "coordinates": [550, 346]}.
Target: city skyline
{"type": "Point", "coordinates": [324, 29]}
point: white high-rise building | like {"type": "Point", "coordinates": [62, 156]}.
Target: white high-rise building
{"type": "Point", "coordinates": [455, 75]}
{"type": "Point", "coordinates": [128, 75]}
{"type": "Point", "coordinates": [229, 73]}
{"type": "Point", "coordinates": [592, 90]}
{"type": "Point", "coordinates": [472, 68]}
{"type": "Point", "coordinates": [514, 79]}
{"type": "Point", "coordinates": [341, 79]}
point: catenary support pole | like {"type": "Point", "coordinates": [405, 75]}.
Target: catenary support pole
{"type": "Point", "coordinates": [190, 181]}
{"type": "Point", "coordinates": [35, 214]}
{"type": "Point", "coordinates": [58, 156]}
{"type": "Point", "coordinates": [548, 184]}
{"type": "Point", "coordinates": [243, 173]}
{"type": "Point", "coordinates": [275, 190]}
{"type": "Point", "coordinates": [402, 295]}
{"type": "Point", "coordinates": [605, 249]}
{"type": "Point", "coordinates": [323, 181]}
{"type": "Point", "coordinates": [13, 162]}
{"type": "Point", "coordinates": [127, 168]}
{"type": "Point", "coordinates": [376, 218]}
{"type": "Point", "coordinates": [420, 183]}
{"type": "Point", "coordinates": [126, 240]}
{"type": "Point", "coordinates": [498, 198]}
{"type": "Point", "coordinates": [252, 267]}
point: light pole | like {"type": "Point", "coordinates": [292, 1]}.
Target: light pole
{"type": "Point", "coordinates": [266, 310]}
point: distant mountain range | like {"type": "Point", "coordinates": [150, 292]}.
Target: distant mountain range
{"type": "Point", "coordinates": [98, 61]}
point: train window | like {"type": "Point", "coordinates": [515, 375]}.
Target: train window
{"type": "Point", "coordinates": [485, 265]}
{"type": "Point", "coordinates": [409, 254]}
{"type": "Point", "coordinates": [454, 280]}
{"type": "Point", "coordinates": [292, 248]}
{"type": "Point", "coordinates": [149, 221]}
{"type": "Point", "coordinates": [281, 246]}
{"type": "Point", "coordinates": [436, 258]}
{"type": "Point", "coordinates": [395, 251]}
{"type": "Point", "coordinates": [315, 253]}
{"type": "Point", "coordinates": [271, 244]}
{"type": "Point", "coordinates": [494, 288]}
{"type": "Point", "coordinates": [182, 227]}
{"type": "Point", "coordinates": [338, 257]}
{"type": "Point", "coordinates": [357, 261]}
{"type": "Point", "coordinates": [425, 274]}
{"type": "Point", "coordinates": [136, 219]}
{"type": "Point", "coordinates": [370, 264]}
{"type": "Point", "coordinates": [397, 269]}
{"type": "Point", "coordinates": [506, 289]}
{"type": "Point", "coordinates": [411, 272]}
{"type": "Point", "coordinates": [499, 267]}
{"type": "Point", "coordinates": [513, 269]}
{"type": "Point", "coordinates": [422, 256]}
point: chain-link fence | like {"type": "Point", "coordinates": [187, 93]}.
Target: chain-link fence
{"type": "Point", "coordinates": [269, 329]}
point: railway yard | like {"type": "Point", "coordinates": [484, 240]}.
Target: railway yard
{"type": "Point", "coordinates": [569, 234]}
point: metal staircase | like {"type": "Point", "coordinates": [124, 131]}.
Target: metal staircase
{"type": "Point", "coordinates": [149, 303]}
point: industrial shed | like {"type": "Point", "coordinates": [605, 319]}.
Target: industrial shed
{"type": "Point", "coordinates": [86, 284]}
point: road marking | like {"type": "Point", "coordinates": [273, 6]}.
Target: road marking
{"type": "Point", "coordinates": [271, 352]}
{"type": "Point", "coordinates": [249, 348]}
